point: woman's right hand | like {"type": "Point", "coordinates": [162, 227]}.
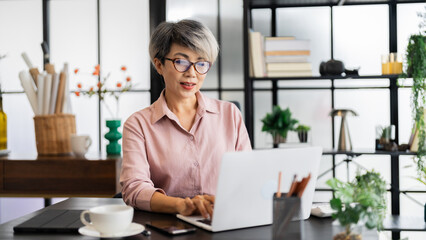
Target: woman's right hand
{"type": "Point", "coordinates": [202, 204]}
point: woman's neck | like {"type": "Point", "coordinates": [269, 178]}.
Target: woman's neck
{"type": "Point", "coordinates": [181, 105]}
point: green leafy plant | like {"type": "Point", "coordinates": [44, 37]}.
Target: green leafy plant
{"type": "Point", "coordinates": [303, 128]}
{"type": "Point", "coordinates": [422, 175]}
{"type": "Point", "coordinates": [279, 122]}
{"type": "Point", "coordinates": [416, 69]}
{"type": "Point", "coordinates": [386, 132]}
{"type": "Point", "coordinates": [362, 199]}
{"type": "Point", "coordinates": [302, 132]}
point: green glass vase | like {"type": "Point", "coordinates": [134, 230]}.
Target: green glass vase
{"type": "Point", "coordinates": [113, 147]}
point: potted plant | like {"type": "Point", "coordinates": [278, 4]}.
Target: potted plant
{"type": "Point", "coordinates": [416, 69]}
{"type": "Point", "coordinates": [302, 132]}
{"type": "Point", "coordinates": [362, 200]}
{"type": "Point", "coordinates": [385, 138]}
{"type": "Point", "coordinates": [278, 123]}
{"type": "Point", "coordinates": [102, 90]}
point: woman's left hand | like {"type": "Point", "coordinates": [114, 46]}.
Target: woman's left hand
{"type": "Point", "coordinates": [204, 205]}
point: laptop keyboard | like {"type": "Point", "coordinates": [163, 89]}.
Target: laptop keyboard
{"type": "Point", "coordinates": [205, 221]}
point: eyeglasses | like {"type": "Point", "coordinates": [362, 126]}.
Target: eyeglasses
{"type": "Point", "coordinates": [182, 65]}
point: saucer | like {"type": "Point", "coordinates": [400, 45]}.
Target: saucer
{"type": "Point", "coordinates": [4, 152]}
{"type": "Point", "coordinates": [133, 229]}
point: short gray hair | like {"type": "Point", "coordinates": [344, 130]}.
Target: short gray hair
{"type": "Point", "coordinates": [188, 33]}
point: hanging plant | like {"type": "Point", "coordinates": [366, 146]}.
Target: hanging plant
{"type": "Point", "coordinates": [416, 69]}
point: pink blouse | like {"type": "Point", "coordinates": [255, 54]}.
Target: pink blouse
{"type": "Point", "coordinates": [160, 155]}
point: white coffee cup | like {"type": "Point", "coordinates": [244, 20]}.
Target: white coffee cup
{"type": "Point", "coordinates": [108, 219]}
{"type": "Point", "coordinates": [80, 144]}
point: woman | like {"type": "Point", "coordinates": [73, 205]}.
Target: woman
{"type": "Point", "coordinates": [173, 148]}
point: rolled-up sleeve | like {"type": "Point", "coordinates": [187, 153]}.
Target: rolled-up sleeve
{"type": "Point", "coordinates": [135, 178]}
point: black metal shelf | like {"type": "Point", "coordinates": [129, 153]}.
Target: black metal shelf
{"type": "Point", "coordinates": [334, 77]}
{"type": "Point", "coordinates": [318, 3]}
{"type": "Point", "coordinates": [368, 152]}
{"type": "Point", "coordinates": [359, 152]}
{"type": "Point", "coordinates": [393, 87]}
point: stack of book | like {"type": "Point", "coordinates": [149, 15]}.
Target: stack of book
{"type": "Point", "coordinates": [414, 138]}
{"type": "Point", "coordinates": [287, 57]}
{"type": "Point", "coordinates": [257, 56]}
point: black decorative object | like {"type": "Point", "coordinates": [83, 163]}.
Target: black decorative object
{"type": "Point", "coordinates": [332, 67]}
{"type": "Point", "coordinates": [351, 72]}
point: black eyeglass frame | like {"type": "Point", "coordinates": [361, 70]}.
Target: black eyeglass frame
{"type": "Point", "coordinates": [191, 64]}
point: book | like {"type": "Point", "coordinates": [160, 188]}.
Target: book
{"type": "Point", "coordinates": [303, 66]}
{"type": "Point", "coordinates": [414, 147]}
{"type": "Point", "coordinates": [286, 53]}
{"type": "Point", "coordinates": [413, 132]}
{"type": "Point", "coordinates": [251, 72]}
{"type": "Point", "coordinates": [256, 53]}
{"type": "Point", "coordinates": [287, 45]}
{"type": "Point", "coordinates": [289, 73]}
{"type": "Point", "coordinates": [414, 139]}
{"type": "Point", "coordinates": [279, 38]}
{"type": "Point", "coordinates": [285, 59]}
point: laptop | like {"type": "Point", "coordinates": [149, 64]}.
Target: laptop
{"type": "Point", "coordinates": [247, 182]}
{"type": "Point", "coordinates": [52, 221]}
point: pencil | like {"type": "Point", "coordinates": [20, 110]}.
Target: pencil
{"type": "Point", "coordinates": [303, 187]}
{"type": "Point", "coordinates": [292, 187]}
{"type": "Point", "coordinates": [279, 185]}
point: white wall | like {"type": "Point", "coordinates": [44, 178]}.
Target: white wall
{"type": "Point", "coordinates": [360, 37]}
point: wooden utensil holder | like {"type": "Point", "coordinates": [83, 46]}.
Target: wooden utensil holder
{"type": "Point", "coordinates": [53, 133]}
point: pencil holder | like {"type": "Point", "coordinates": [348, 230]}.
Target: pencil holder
{"type": "Point", "coordinates": [53, 133]}
{"type": "Point", "coordinates": [287, 215]}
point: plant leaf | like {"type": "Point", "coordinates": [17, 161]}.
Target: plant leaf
{"type": "Point", "coordinates": [336, 204]}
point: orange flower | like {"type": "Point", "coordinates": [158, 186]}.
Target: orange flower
{"type": "Point", "coordinates": [101, 87]}
{"type": "Point", "coordinates": [97, 70]}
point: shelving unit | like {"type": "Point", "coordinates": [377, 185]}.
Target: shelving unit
{"type": "Point", "coordinates": [273, 5]}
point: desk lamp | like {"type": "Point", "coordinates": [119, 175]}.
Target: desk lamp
{"type": "Point", "coordinates": [345, 143]}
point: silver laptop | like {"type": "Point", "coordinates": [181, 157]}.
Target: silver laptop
{"type": "Point", "coordinates": [247, 182]}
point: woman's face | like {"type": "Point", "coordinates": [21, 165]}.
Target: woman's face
{"type": "Point", "coordinates": [180, 84]}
